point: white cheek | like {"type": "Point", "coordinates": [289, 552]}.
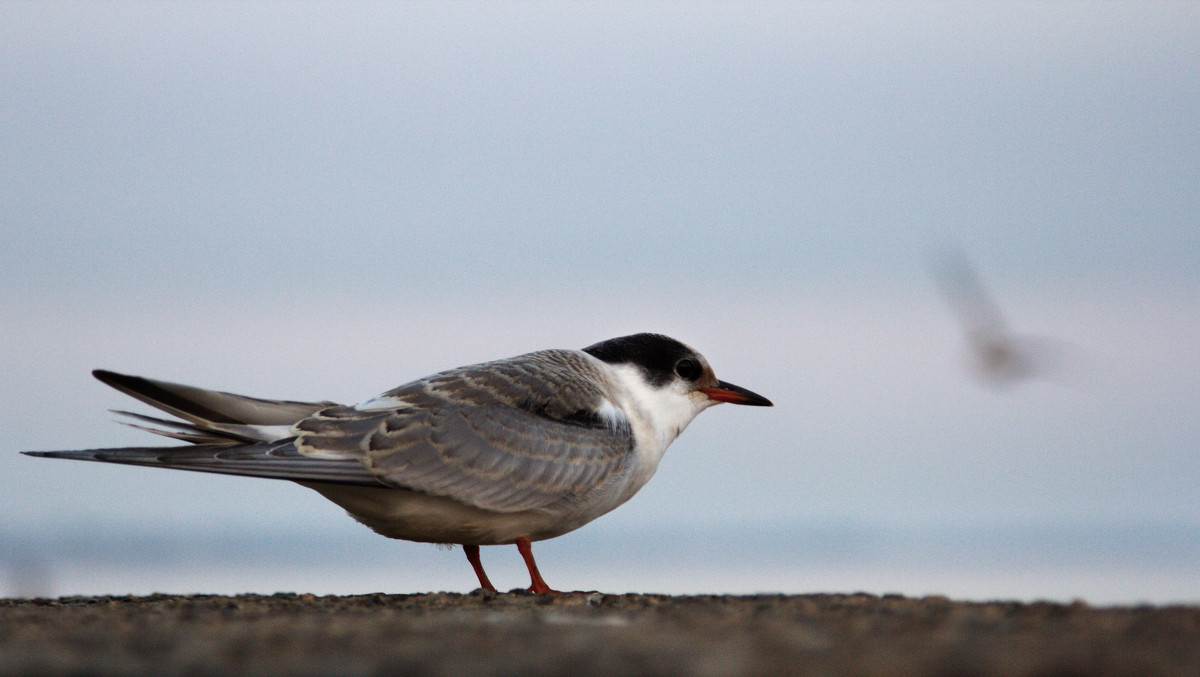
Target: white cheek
{"type": "Point", "coordinates": [658, 415]}
{"type": "Point", "coordinates": [700, 401]}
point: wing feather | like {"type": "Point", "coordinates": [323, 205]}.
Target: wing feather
{"type": "Point", "coordinates": [278, 460]}
{"type": "Point", "coordinates": [512, 435]}
{"type": "Point", "coordinates": [202, 406]}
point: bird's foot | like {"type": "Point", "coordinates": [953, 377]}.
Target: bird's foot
{"type": "Point", "coordinates": [539, 587]}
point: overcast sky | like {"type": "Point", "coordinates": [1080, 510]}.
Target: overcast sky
{"type": "Point", "coordinates": [324, 200]}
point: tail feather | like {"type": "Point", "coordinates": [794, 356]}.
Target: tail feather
{"type": "Point", "coordinates": [212, 416]}
{"type": "Point", "coordinates": [186, 432]}
{"type": "Point", "coordinates": [279, 460]}
{"type": "Point", "coordinates": [202, 406]}
{"type": "Point", "coordinates": [228, 434]}
{"type": "Point", "coordinates": [205, 432]}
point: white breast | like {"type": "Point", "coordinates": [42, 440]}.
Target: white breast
{"type": "Point", "coordinates": [656, 415]}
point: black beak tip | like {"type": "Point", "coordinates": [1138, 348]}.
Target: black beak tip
{"type": "Point", "coordinates": [727, 392]}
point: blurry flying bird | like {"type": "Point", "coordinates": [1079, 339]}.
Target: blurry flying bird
{"type": "Point", "coordinates": [997, 355]}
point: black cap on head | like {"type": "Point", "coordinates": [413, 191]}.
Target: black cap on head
{"type": "Point", "coordinates": [656, 354]}
{"type": "Point", "coordinates": [662, 358]}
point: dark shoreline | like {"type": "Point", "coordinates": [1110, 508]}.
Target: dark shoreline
{"type": "Point", "coordinates": [591, 634]}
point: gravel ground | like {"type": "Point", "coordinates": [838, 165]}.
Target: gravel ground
{"type": "Point", "coordinates": [590, 634]}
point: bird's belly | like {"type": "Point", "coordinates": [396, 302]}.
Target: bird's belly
{"type": "Point", "coordinates": [412, 516]}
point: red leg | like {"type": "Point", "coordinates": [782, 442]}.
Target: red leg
{"type": "Point", "coordinates": [473, 557]}
{"type": "Point", "coordinates": [538, 585]}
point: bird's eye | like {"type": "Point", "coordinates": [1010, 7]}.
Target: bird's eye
{"type": "Point", "coordinates": [688, 369]}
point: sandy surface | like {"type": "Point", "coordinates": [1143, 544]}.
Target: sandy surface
{"type": "Point", "coordinates": [590, 634]}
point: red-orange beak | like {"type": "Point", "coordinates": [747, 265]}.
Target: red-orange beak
{"type": "Point", "coordinates": [727, 392]}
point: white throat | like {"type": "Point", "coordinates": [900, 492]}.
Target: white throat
{"type": "Point", "coordinates": [656, 415]}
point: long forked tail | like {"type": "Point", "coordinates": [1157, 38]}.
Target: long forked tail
{"type": "Point", "coordinates": [277, 460]}
{"type": "Point", "coordinates": [211, 416]}
{"type": "Point", "coordinates": [228, 434]}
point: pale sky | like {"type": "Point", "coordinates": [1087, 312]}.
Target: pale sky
{"type": "Point", "coordinates": [324, 200]}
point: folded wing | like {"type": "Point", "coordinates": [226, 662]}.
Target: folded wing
{"type": "Point", "coordinates": [495, 458]}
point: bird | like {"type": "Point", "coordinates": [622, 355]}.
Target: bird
{"type": "Point", "coordinates": [998, 356]}
{"type": "Point", "coordinates": [505, 452]}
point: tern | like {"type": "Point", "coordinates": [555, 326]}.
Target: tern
{"type": "Point", "coordinates": [505, 452]}
{"type": "Point", "coordinates": [999, 356]}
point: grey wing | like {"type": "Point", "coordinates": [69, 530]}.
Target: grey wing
{"type": "Point", "coordinates": [277, 460]}
{"type": "Point", "coordinates": [514, 435]}
{"type": "Point", "coordinates": [493, 458]}
{"type": "Point", "coordinates": [967, 297]}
